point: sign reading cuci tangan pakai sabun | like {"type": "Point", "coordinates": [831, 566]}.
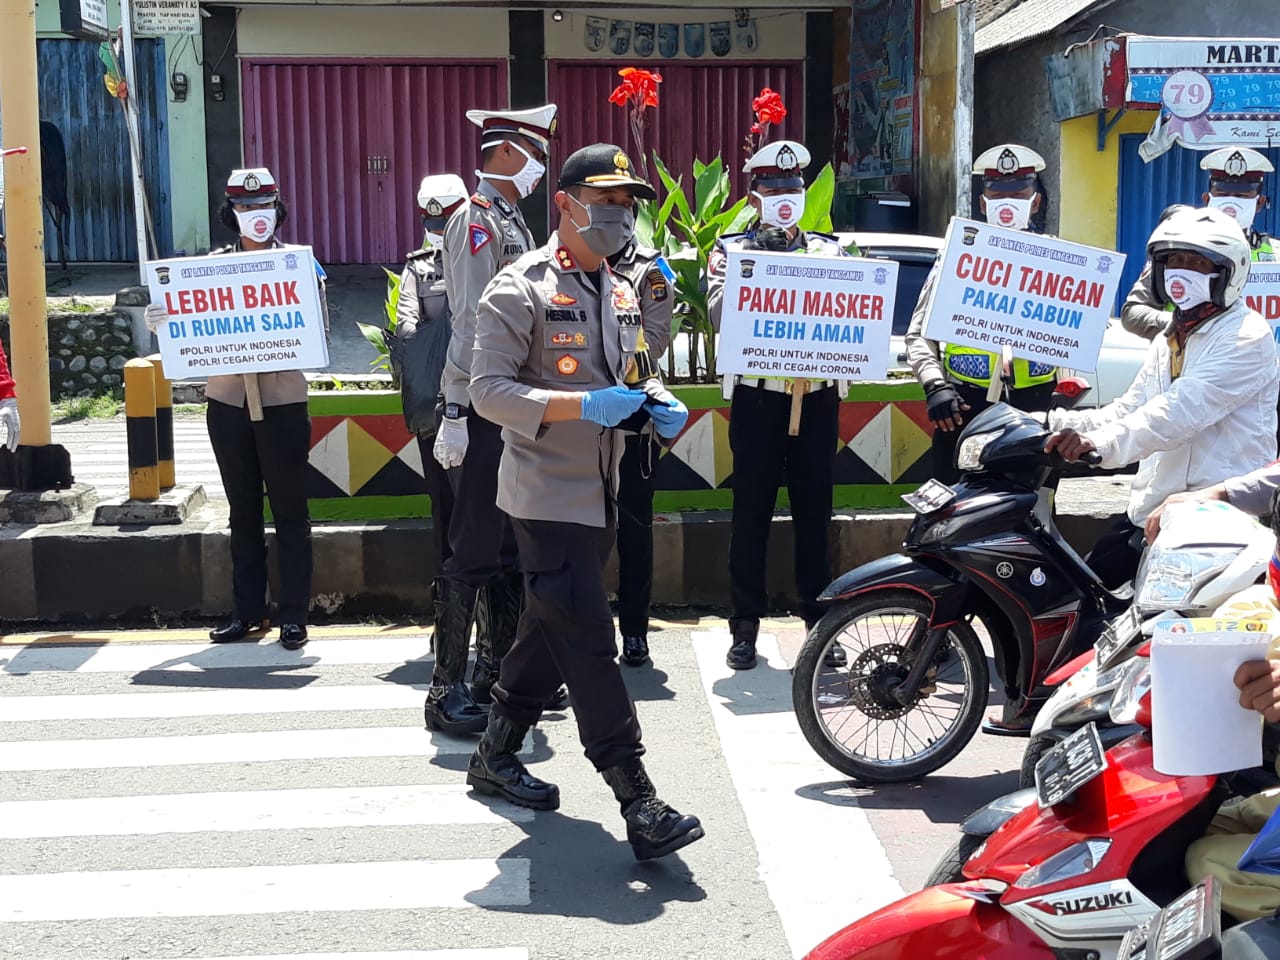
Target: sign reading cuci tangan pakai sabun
{"type": "Point", "coordinates": [806, 317]}
{"type": "Point", "coordinates": [250, 312]}
{"type": "Point", "coordinates": [1047, 300]}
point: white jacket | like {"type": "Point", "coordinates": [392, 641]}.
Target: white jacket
{"type": "Point", "coordinates": [1217, 420]}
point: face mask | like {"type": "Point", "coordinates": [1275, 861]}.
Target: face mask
{"type": "Point", "coordinates": [1187, 289]}
{"type": "Point", "coordinates": [526, 180]}
{"type": "Point", "coordinates": [609, 227]}
{"type": "Point", "coordinates": [781, 210]}
{"type": "Point", "coordinates": [1243, 209]}
{"type": "Point", "coordinates": [434, 240]}
{"type": "Point", "coordinates": [257, 225]}
{"type": "Point", "coordinates": [1011, 212]}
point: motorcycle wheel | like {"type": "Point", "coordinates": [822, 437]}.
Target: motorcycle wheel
{"type": "Point", "coordinates": [849, 715]}
{"type": "Point", "coordinates": [1036, 749]}
{"type": "Point", "coordinates": [950, 866]}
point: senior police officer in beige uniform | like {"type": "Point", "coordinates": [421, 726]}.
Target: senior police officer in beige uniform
{"type": "Point", "coordinates": [479, 583]}
{"type": "Point", "coordinates": [555, 336]}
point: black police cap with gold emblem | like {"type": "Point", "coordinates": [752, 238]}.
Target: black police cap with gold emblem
{"type": "Point", "coordinates": [603, 165]}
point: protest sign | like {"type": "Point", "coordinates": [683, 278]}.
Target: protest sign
{"type": "Point", "coordinates": [251, 312]}
{"type": "Point", "coordinates": [1262, 293]}
{"type": "Point", "coordinates": [1047, 300]}
{"type": "Point", "coordinates": [806, 317]}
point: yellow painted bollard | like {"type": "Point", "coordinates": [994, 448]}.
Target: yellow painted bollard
{"type": "Point", "coordinates": [164, 424]}
{"type": "Point", "coordinates": [140, 430]}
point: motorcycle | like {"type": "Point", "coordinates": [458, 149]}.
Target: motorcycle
{"type": "Point", "coordinates": [1190, 928]}
{"type": "Point", "coordinates": [1206, 553]}
{"type": "Point", "coordinates": [1096, 854]}
{"type": "Point", "coordinates": [912, 693]}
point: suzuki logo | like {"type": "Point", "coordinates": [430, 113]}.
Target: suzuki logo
{"type": "Point", "coordinates": [1089, 904]}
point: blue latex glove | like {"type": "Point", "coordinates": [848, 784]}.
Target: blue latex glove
{"type": "Point", "coordinates": [610, 406]}
{"type": "Point", "coordinates": [668, 413]}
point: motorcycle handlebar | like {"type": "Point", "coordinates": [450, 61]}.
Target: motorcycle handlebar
{"type": "Point", "coordinates": [1093, 458]}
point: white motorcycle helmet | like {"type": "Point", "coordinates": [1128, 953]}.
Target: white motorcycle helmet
{"type": "Point", "coordinates": [1213, 235]}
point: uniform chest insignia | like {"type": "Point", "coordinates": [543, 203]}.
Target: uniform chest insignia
{"type": "Point", "coordinates": [504, 208]}
{"type": "Point", "coordinates": [579, 339]}
{"type": "Point", "coordinates": [562, 339]}
{"type": "Point", "coordinates": [567, 365]}
{"type": "Point", "coordinates": [564, 258]}
{"type": "Point", "coordinates": [479, 238]}
{"type": "Point", "coordinates": [623, 301]}
{"type": "Point", "coordinates": [480, 201]}
{"type": "Point", "coordinates": [563, 299]}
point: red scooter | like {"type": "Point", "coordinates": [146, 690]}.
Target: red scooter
{"type": "Point", "coordinates": [1099, 852]}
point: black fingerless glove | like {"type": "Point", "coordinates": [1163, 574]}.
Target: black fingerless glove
{"type": "Point", "coordinates": [942, 400]}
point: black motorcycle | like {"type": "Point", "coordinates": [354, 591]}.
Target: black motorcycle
{"type": "Point", "coordinates": [914, 687]}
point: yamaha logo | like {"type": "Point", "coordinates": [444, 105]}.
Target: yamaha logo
{"type": "Point", "coordinates": [1004, 570]}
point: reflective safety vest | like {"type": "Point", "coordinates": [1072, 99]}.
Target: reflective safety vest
{"type": "Point", "coordinates": [970, 365]}
{"type": "Point", "coordinates": [1264, 252]}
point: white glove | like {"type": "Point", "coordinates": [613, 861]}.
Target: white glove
{"type": "Point", "coordinates": [155, 316]}
{"type": "Point", "coordinates": [9, 420]}
{"type": "Point", "coordinates": [450, 447]}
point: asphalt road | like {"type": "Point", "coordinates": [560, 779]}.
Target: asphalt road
{"type": "Point", "coordinates": [164, 798]}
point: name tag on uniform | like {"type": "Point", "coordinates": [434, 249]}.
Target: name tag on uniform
{"type": "Point", "coordinates": [562, 315]}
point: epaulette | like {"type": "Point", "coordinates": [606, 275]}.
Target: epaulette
{"type": "Point", "coordinates": [480, 201]}
{"type": "Point", "coordinates": [421, 253]}
{"type": "Point", "coordinates": [504, 208]}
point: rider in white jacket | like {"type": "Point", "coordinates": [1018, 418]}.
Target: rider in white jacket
{"type": "Point", "coordinates": [1202, 408]}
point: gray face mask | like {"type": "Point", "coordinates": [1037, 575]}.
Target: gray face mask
{"type": "Point", "coordinates": [609, 227]}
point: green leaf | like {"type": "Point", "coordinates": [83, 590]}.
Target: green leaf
{"type": "Point", "coordinates": [705, 184]}
{"type": "Point", "coordinates": [645, 222]}
{"type": "Point", "coordinates": [375, 335]}
{"type": "Point", "coordinates": [817, 201]}
{"type": "Point", "coordinates": [393, 300]}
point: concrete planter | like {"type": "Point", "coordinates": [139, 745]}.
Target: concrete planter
{"type": "Point", "coordinates": [364, 464]}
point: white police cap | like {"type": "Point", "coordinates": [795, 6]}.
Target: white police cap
{"type": "Point", "coordinates": [779, 163]}
{"type": "Point", "coordinates": [1008, 161]}
{"type": "Point", "coordinates": [252, 185]}
{"type": "Point", "coordinates": [1237, 163]}
{"type": "Point", "coordinates": [538, 124]}
{"type": "Point", "coordinates": [440, 191]}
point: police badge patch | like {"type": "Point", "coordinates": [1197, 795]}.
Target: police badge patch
{"type": "Point", "coordinates": [619, 37]}
{"type": "Point", "coordinates": [720, 38]}
{"type": "Point", "coordinates": [658, 290]}
{"type": "Point", "coordinates": [668, 39]}
{"type": "Point", "coordinates": [593, 34]}
{"type": "Point", "coordinates": [744, 33]}
{"type": "Point", "coordinates": [695, 39]}
{"type": "Point", "coordinates": [643, 39]}
{"type": "Point", "coordinates": [479, 238]}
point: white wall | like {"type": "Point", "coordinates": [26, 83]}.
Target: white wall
{"type": "Point", "coordinates": [780, 33]}
{"type": "Point", "coordinates": [428, 32]}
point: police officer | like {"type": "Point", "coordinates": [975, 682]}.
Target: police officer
{"type": "Point", "coordinates": [651, 276]}
{"type": "Point", "coordinates": [271, 452]}
{"type": "Point", "coordinates": [480, 580]}
{"type": "Point", "coordinates": [422, 317]}
{"type": "Point", "coordinates": [555, 337]}
{"type": "Point", "coordinates": [1236, 176]}
{"type": "Point", "coordinates": [956, 379]}
{"type": "Point", "coordinates": [763, 452]}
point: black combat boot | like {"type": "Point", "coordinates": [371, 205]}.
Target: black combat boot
{"type": "Point", "coordinates": [494, 768]}
{"type": "Point", "coordinates": [742, 655]}
{"type": "Point", "coordinates": [498, 607]}
{"type": "Point", "coordinates": [653, 828]}
{"type": "Point", "coordinates": [450, 708]}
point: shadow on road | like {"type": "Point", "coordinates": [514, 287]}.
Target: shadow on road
{"type": "Point", "coordinates": [539, 751]}
{"type": "Point", "coordinates": [211, 672]}
{"type": "Point", "coordinates": [766, 689]}
{"type": "Point", "coordinates": [941, 798]}
{"type": "Point", "coordinates": [578, 869]}
{"type": "Point", "coordinates": [647, 683]}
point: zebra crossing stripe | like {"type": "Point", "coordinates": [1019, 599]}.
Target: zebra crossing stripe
{"type": "Point", "coordinates": [309, 808]}
{"type": "Point", "coordinates": [222, 702]}
{"type": "Point", "coordinates": [241, 747]}
{"type": "Point", "coordinates": [494, 953]}
{"type": "Point", "coordinates": [237, 891]}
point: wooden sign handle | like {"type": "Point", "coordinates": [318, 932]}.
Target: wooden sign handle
{"type": "Point", "coordinates": [798, 389]}
{"type": "Point", "coordinates": [253, 397]}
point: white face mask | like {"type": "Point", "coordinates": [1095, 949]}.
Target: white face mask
{"type": "Point", "coordinates": [527, 179]}
{"type": "Point", "coordinates": [781, 210]}
{"type": "Point", "coordinates": [257, 225]}
{"type": "Point", "coordinates": [1187, 289]}
{"type": "Point", "coordinates": [1011, 212]}
{"type": "Point", "coordinates": [434, 240]}
{"type": "Point", "coordinates": [1243, 209]}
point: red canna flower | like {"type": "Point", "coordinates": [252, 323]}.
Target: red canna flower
{"type": "Point", "coordinates": [638, 89]}
{"type": "Point", "coordinates": [768, 107]}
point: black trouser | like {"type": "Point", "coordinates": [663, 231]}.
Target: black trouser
{"type": "Point", "coordinates": [480, 536]}
{"type": "Point", "coordinates": [1114, 558]}
{"type": "Point", "coordinates": [566, 632]}
{"type": "Point", "coordinates": [440, 492]}
{"type": "Point", "coordinates": [1029, 399]}
{"type": "Point", "coordinates": [273, 452]}
{"type": "Point", "coordinates": [764, 455]}
{"type": "Point", "coordinates": [635, 533]}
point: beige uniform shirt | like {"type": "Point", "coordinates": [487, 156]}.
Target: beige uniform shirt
{"type": "Point", "coordinates": [422, 291]}
{"type": "Point", "coordinates": [543, 327]}
{"type": "Point", "coordinates": [924, 355]}
{"type": "Point", "coordinates": [483, 236]}
{"type": "Point", "coordinates": [657, 298]}
{"type": "Point", "coordinates": [276, 389]}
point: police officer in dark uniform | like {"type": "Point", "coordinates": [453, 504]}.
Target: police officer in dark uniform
{"type": "Point", "coordinates": [555, 337]}
{"type": "Point", "coordinates": [253, 454]}
{"type": "Point", "coordinates": [652, 277]}
{"type": "Point", "coordinates": [480, 580]}
{"type": "Point", "coordinates": [763, 452]}
{"type": "Point", "coordinates": [422, 317]}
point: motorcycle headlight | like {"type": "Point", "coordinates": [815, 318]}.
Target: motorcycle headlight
{"type": "Point", "coordinates": [1134, 686]}
{"type": "Point", "coordinates": [1170, 577]}
{"type": "Point", "coordinates": [1075, 861]}
{"type": "Point", "coordinates": [969, 456]}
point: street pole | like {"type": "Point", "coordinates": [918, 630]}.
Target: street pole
{"type": "Point", "coordinates": [24, 219]}
{"type": "Point", "coordinates": [141, 214]}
